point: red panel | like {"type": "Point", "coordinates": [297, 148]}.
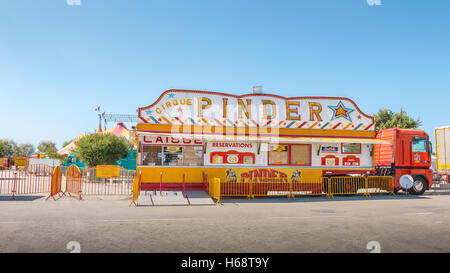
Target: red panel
{"type": "Point", "coordinates": [383, 153]}
{"type": "Point", "coordinates": [172, 186]}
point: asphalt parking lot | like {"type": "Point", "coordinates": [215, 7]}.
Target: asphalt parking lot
{"type": "Point", "coordinates": [345, 224]}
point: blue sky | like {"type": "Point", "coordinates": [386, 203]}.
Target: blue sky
{"type": "Point", "coordinates": [58, 62]}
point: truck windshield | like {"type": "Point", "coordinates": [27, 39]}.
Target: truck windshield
{"type": "Point", "coordinates": [419, 145]}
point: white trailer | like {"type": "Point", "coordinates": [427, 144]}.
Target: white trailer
{"type": "Point", "coordinates": [443, 150]}
{"type": "Point", "coordinates": [44, 161]}
{"type": "Point", "coordinates": [42, 166]}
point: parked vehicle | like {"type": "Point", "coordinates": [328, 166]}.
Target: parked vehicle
{"type": "Point", "coordinates": [443, 153]}
{"type": "Point", "coordinates": [51, 162]}
{"type": "Point", "coordinates": [409, 154]}
{"type": "Point", "coordinates": [72, 160]}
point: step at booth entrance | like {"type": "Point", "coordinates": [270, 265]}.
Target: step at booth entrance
{"type": "Point", "coordinates": [173, 198]}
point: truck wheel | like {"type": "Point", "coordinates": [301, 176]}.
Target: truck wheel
{"type": "Point", "coordinates": [419, 187]}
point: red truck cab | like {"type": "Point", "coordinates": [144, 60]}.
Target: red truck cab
{"type": "Point", "coordinates": [409, 153]}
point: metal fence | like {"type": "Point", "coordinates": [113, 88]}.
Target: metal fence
{"type": "Point", "coordinates": [440, 185]}
{"type": "Point", "coordinates": [120, 185]}
{"type": "Point", "coordinates": [37, 179]}
{"type": "Point", "coordinates": [309, 186]}
{"type": "Point", "coordinates": [87, 182]}
{"type": "Point", "coordinates": [271, 187]}
{"type": "Point", "coordinates": [34, 178]}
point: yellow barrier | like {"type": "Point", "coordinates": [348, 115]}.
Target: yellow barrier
{"type": "Point", "coordinates": [271, 187]}
{"type": "Point", "coordinates": [313, 186]}
{"type": "Point", "coordinates": [381, 183]}
{"type": "Point", "coordinates": [55, 188]}
{"type": "Point", "coordinates": [346, 185]}
{"type": "Point", "coordinates": [136, 188]}
{"type": "Point", "coordinates": [214, 189]}
{"type": "Point", "coordinates": [107, 171]}
{"type": "Point", "coordinates": [343, 185]}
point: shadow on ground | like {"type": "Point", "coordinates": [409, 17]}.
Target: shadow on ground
{"type": "Point", "coordinates": [275, 199]}
{"type": "Point", "coordinates": [20, 197]}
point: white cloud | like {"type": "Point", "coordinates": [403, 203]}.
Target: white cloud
{"type": "Point", "coordinates": [73, 2]}
{"type": "Point", "coordinates": [374, 2]}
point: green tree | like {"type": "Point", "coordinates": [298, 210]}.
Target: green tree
{"type": "Point", "coordinates": [386, 118]}
{"type": "Point", "coordinates": [48, 148]}
{"type": "Point", "coordinates": [45, 147]}
{"type": "Point", "coordinates": [2, 148]}
{"type": "Point", "coordinates": [101, 149]}
{"type": "Point", "coordinates": [24, 150]}
{"type": "Point", "coordinates": [9, 148]}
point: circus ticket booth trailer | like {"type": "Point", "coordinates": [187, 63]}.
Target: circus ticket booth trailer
{"type": "Point", "coordinates": [186, 138]}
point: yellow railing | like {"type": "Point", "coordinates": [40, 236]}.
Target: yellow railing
{"type": "Point", "coordinates": [214, 188]}
{"type": "Point", "coordinates": [136, 188]}
{"type": "Point", "coordinates": [313, 186]}
{"type": "Point", "coordinates": [380, 184]}
{"type": "Point", "coordinates": [344, 185]}
{"type": "Point", "coordinates": [271, 187]}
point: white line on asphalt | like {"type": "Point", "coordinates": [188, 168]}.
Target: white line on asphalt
{"type": "Point", "coordinates": [313, 216]}
{"type": "Point", "coordinates": [154, 219]}
{"type": "Point", "coordinates": [418, 213]}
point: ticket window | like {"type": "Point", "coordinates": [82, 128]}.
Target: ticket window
{"type": "Point", "coordinates": [301, 155]}
{"type": "Point", "coordinates": [172, 156]}
{"type": "Point", "coordinates": [278, 154]}
{"type": "Point", "coordinates": [290, 154]}
{"type": "Point", "coordinates": [351, 148]}
{"type": "Point", "coordinates": [151, 155]}
{"type": "Point", "coordinates": [193, 156]}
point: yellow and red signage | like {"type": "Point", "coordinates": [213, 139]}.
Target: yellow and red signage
{"type": "Point", "coordinates": [107, 171]}
{"type": "Point", "coordinates": [21, 161]}
{"type": "Point", "coordinates": [201, 108]}
{"type": "Point", "coordinates": [263, 175]}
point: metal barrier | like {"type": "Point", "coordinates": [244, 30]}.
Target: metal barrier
{"type": "Point", "coordinates": [263, 187]}
{"type": "Point", "coordinates": [381, 184]}
{"type": "Point", "coordinates": [117, 185]}
{"type": "Point", "coordinates": [73, 181]}
{"type": "Point", "coordinates": [55, 189]}
{"type": "Point", "coordinates": [214, 188]}
{"type": "Point", "coordinates": [441, 184]}
{"type": "Point", "coordinates": [136, 188]}
{"type": "Point", "coordinates": [87, 182]}
{"type": "Point", "coordinates": [346, 185]}
{"type": "Point", "coordinates": [35, 178]}
{"type": "Point", "coordinates": [306, 186]}
{"type": "Point", "coordinates": [310, 186]}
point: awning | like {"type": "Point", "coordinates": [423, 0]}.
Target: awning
{"type": "Point", "coordinates": [212, 137]}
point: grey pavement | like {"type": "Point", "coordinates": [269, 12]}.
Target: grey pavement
{"type": "Point", "coordinates": [317, 224]}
